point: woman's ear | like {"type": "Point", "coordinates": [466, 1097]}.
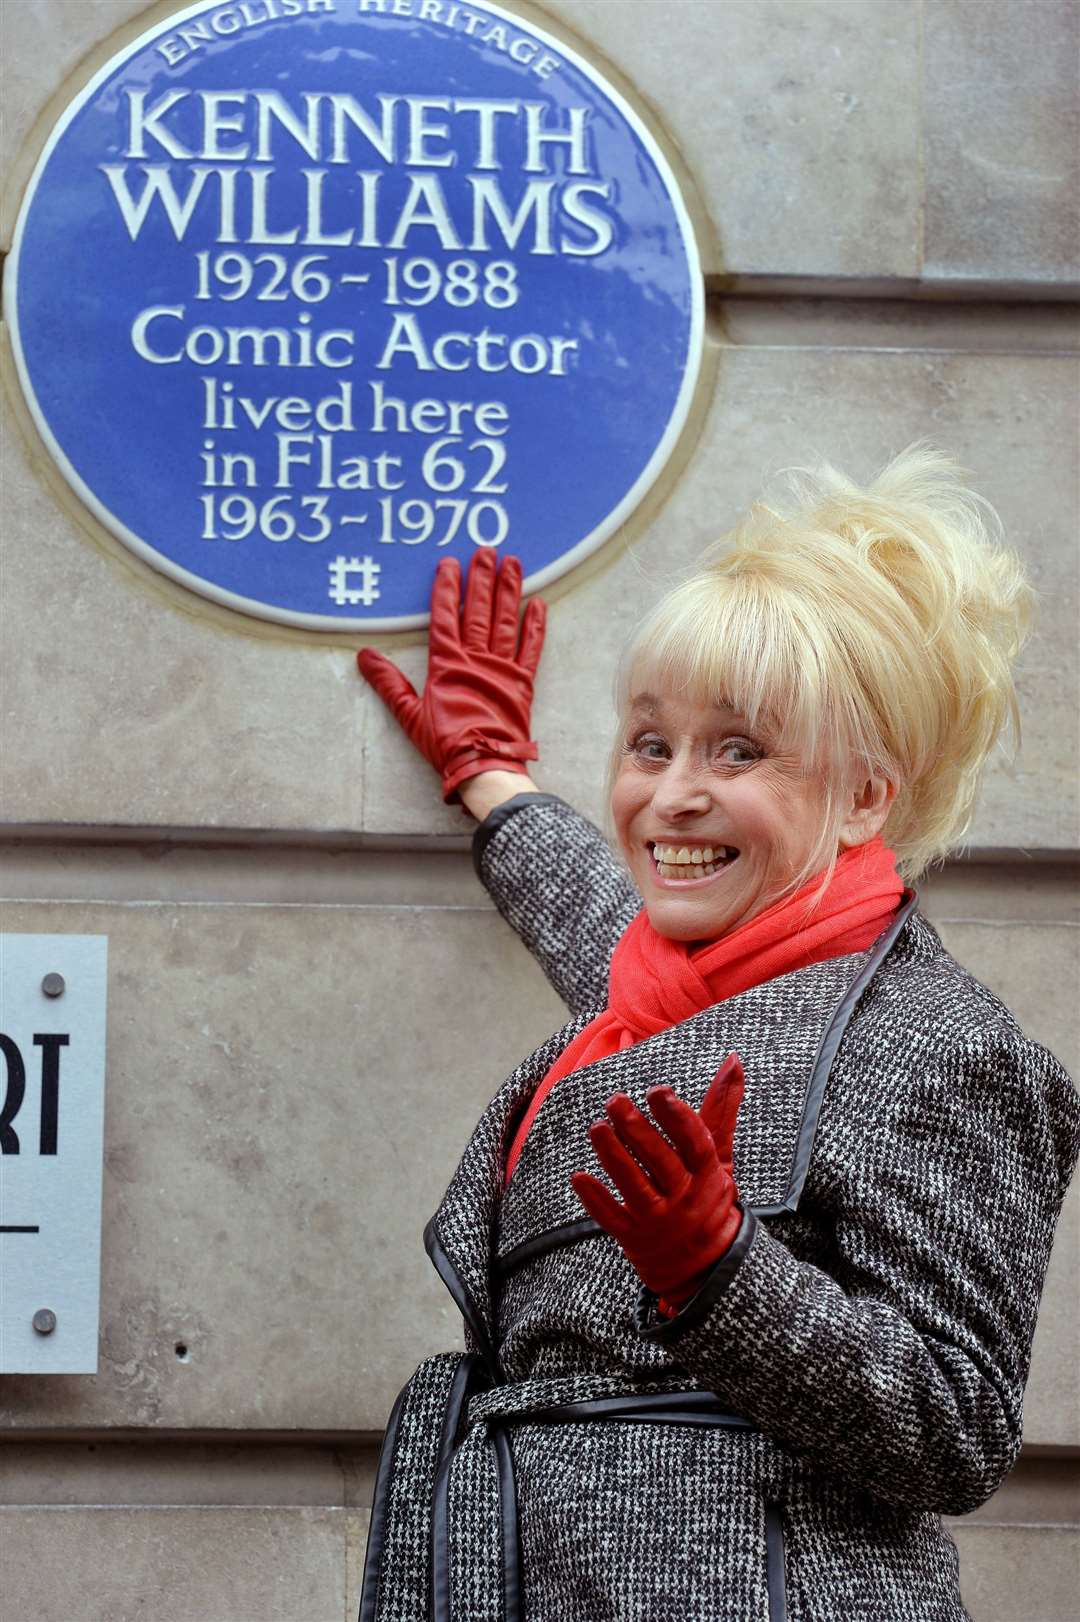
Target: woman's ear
{"type": "Point", "coordinates": [869, 806]}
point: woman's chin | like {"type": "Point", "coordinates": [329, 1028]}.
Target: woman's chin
{"type": "Point", "coordinates": [680, 920]}
{"type": "Point", "coordinates": [701, 913]}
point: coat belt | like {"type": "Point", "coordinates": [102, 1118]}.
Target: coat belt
{"type": "Point", "coordinates": [676, 1407]}
{"type": "Point", "coordinates": [488, 1417]}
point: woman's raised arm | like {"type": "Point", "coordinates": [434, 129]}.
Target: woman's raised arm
{"type": "Point", "coordinates": [550, 873]}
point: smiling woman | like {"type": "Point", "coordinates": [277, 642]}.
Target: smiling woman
{"type": "Point", "coordinates": [743, 1372]}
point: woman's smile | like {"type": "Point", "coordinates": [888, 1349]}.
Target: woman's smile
{"type": "Point", "coordinates": [686, 865]}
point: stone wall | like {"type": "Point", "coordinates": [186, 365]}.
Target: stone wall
{"type": "Point", "coordinates": [310, 995]}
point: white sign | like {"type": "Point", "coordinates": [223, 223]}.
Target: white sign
{"type": "Point", "coordinates": [52, 1095]}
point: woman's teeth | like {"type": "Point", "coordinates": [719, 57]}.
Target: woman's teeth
{"type": "Point", "coordinates": [689, 861]}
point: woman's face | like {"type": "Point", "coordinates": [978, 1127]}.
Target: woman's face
{"type": "Point", "coordinates": [696, 782]}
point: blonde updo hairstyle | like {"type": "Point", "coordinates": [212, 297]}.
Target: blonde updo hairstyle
{"type": "Point", "coordinates": [870, 631]}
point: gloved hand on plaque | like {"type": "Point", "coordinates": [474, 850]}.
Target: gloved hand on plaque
{"type": "Point", "coordinates": [474, 714]}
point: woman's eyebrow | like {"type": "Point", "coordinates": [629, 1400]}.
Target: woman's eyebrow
{"type": "Point", "coordinates": [647, 702]}
{"type": "Point", "coordinates": [650, 704]}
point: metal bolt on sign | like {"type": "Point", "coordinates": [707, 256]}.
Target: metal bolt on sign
{"type": "Point", "coordinates": [53, 985]}
{"type": "Point", "coordinates": [44, 1321]}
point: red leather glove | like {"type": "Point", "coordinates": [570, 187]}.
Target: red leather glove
{"type": "Point", "coordinates": [474, 713]}
{"type": "Point", "coordinates": [679, 1215]}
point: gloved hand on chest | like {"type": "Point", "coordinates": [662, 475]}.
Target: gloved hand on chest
{"type": "Point", "coordinates": [679, 1213]}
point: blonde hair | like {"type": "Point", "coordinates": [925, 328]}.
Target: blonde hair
{"type": "Point", "coordinates": [868, 630]}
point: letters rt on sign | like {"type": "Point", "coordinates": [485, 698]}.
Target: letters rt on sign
{"type": "Point", "coordinates": [52, 1094]}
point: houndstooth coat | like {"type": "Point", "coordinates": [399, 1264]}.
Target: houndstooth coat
{"type": "Point", "coordinates": [853, 1368]}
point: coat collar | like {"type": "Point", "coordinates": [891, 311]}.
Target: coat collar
{"type": "Point", "coordinates": [787, 1033]}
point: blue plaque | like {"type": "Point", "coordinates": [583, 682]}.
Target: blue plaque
{"type": "Point", "coordinates": [306, 294]}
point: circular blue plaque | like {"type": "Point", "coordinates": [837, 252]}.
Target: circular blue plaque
{"type": "Point", "coordinates": [307, 294]}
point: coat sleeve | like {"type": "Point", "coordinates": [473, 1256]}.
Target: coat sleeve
{"type": "Point", "coordinates": [903, 1366]}
{"type": "Point", "coordinates": [553, 877]}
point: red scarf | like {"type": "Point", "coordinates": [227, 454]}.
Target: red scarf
{"type": "Point", "coordinates": [655, 982]}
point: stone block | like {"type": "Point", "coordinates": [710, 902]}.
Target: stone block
{"type": "Point", "coordinates": [163, 711]}
{"type": "Point", "coordinates": [41, 43]}
{"type": "Point", "coordinates": [798, 119]}
{"type": "Point", "coordinates": [118, 1474]}
{"type": "Point", "coordinates": [230, 1564]}
{"type": "Point", "coordinates": [803, 136]}
{"type": "Point", "coordinates": [266, 1182]}
{"type": "Point", "coordinates": [289, 1090]}
{"type": "Point", "coordinates": [1002, 131]}
{"type": "Point", "coordinates": [1008, 1572]}
{"type": "Point", "coordinates": [162, 717]}
{"type": "Point", "coordinates": [245, 726]}
{"type": "Point", "coordinates": [177, 1564]}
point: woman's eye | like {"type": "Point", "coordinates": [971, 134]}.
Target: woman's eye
{"type": "Point", "coordinates": [739, 751]}
{"type": "Point", "coordinates": [649, 745]}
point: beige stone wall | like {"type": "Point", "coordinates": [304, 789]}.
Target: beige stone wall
{"type": "Point", "coordinates": [887, 197]}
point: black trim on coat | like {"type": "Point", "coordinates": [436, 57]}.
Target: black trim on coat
{"type": "Point", "coordinates": [530, 1250]}
{"type": "Point", "coordinates": [485, 831]}
{"type": "Point", "coordinates": [651, 1326]}
{"type": "Point", "coordinates": [440, 1545]}
{"type": "Point", "coordinates": [369, 1590]}
{"type": "Point", "coordinates": [463, 1300]}
{"type": "Point", "coordinates": [775, 1575]}
{"type": "Point", "coordinates": [826, 1053]}
{"type": "Point", "coordinates": [649, 1407]}
{"type": "Point", "coordinates": [470, 1375]}
{"type": "Point", "coordinates": [509, 1536]}
{"type": "Point", "coordinates": [513, 1609]}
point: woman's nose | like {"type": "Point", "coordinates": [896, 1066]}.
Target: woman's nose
{"type": "Point", "coordinates": [681, 791]}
